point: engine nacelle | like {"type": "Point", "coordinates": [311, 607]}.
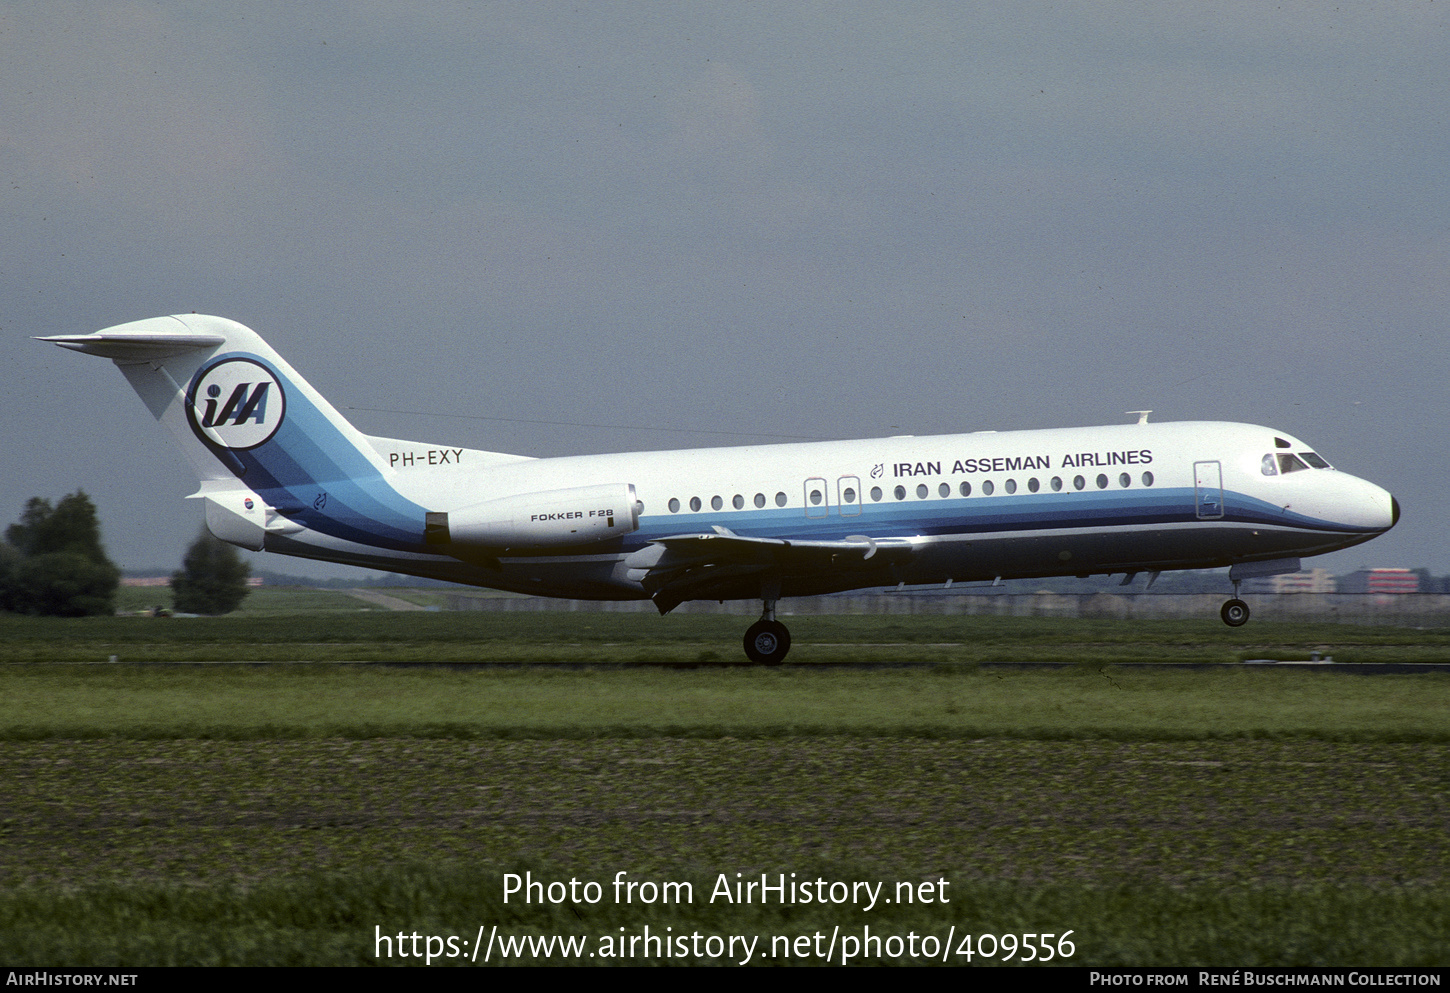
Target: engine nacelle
{"type": "Point", "coordinates": [241, 517]}
{"type": "Point", "coordinates": [548, 519]}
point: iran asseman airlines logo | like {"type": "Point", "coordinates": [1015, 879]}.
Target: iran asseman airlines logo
{"type": "Point", "coordinates": [237, 403]}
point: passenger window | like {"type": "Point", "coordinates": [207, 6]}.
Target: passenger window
{"type": "Point", "coordinates": [1102, 481]}
{"type": "Point", "coordinates": [900, 493]}
{"type": "Point", "coordinates": [987, 487]}
{"type": "Point", "coordinates": [876, 493]}
{"type": "Point", "coordinates": [760, 499]}
{"type": "Point", "coordinates": [1125, 480]}
{"type": "Point", "coordinates": [815, 498]}
{"type": "Point", "coordinates": [965, 489]}
{"type": "Point", "coordinates": [1289, 463]}
{"type": "Point", "coordinates": [945, 489]}
{"type": "Point", "coordinates": [1147, 479]}
{"type": "Point", "coordinates": [738, 502]}
{"type": "Point", "coordinates": [1269, 467]}
{"type": "Point", "coordinates": [716, 503]}
{"type": "Point", "coordinates": [1057, 484]}
{"type": "Point", "coordinates": [1011, 486]}
{"type": "Point", "coordinates": [674, 506]}
{"type": "Point", "coordinates": [921, 491]}
{"type": "Point", "coordinates": [848, 495]}
{"type": "Point", "coordinates": [1078, 482]}
{"type": "Point", "coordinates": [694, 503]}
{"type": "Point", "coordinates": [1033, 485]}
{"type": "Point", "coordinates": [780, 499]}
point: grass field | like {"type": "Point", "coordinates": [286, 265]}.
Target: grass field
{"type": "Point", "coordinates": [329, 626]}
{"type": "Point", "coordinates": [279, 814]}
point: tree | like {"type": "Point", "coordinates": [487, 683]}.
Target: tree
{"type": "Point", "coordinates": [213, 579]}
{"type": "Point", "coordinates": [66, 584]}
{"type": "Point", "coordinates": [54, 563]}
{"type": "Point", "coordinates": [10, 561]}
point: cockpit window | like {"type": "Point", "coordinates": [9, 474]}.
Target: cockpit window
{"type": "Point", "coordinates": [1290, 463]}
{"type": "Point", "coordinates": [1281, 443]}
{"type": "Point", "coordinates": [1269, 467]}
{"type": "Point", "coordinates": [1315, 460]}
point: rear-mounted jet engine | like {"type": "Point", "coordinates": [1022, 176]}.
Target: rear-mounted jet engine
{"type": "Point", "coordinates": [581, 515]}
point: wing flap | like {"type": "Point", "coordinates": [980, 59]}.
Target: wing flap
{"type": "Point", "coordinates": [689, 566]}
{"type": "Point", "coordinates": [727, 545]}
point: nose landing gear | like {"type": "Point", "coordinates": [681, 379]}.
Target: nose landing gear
{"type": "Point", "coordinates": [767, 641]}
{"type": "Point", "coordinates": [1235, 612]}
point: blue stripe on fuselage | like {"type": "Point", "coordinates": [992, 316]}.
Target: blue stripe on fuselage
{"type": "Point", "coordinates": [989, 514]}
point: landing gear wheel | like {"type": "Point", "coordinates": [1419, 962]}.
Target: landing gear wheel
{"type": "Point", "coordinates": [766, 642]}
{"type": "Point", "coordinates": [1235, 613]}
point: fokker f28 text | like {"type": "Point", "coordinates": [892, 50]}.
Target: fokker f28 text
{"type": "Point", "coordinates": [282, 471]}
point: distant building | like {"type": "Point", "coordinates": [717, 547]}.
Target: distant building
{"type": "Point", "coordinates": [252, 581]}
{"type": "Point", "coordinates": [1380, 581]}
{"type": "Point", "coordinates": [1308, 581]}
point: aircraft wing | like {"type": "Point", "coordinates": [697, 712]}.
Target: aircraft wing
{"type": "Point", "coordinates": [689, 566]}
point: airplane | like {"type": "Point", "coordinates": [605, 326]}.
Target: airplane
{"type": "Point", "coordinates": [282, 471]}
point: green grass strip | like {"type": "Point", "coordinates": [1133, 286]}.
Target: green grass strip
{"type": "Point", "coordinates": [261, 702]}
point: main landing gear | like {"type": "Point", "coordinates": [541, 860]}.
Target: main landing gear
{"type": "Point", "coordinates": [767, 641]}
{"type": "Point", "coordinates": [1235, 612]}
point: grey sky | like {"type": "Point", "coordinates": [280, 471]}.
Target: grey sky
{"type": "Point", "coordinates": [805, 219]}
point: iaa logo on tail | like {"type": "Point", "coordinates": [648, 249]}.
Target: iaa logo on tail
{"type": "Point", "coordinates": [236, 403]}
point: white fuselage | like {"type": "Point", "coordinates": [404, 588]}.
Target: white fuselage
{"type": "Point", "coordinates": [1073, 501]}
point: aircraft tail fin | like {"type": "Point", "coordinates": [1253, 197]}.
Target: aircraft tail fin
{"type": "Point", "coordinates": [257, 433]}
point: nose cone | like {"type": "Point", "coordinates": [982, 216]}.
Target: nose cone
{"type": "Point", "coordinates": [1374, 508]}
{"type": "Point", "coordinates": [1354, 504]}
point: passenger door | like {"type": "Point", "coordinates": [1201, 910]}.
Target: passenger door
{"type": "Point", "coordinates": [1208, 490]}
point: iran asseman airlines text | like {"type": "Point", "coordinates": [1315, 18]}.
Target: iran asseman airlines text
{"type": "Point", "coordinates": [281, 470]}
